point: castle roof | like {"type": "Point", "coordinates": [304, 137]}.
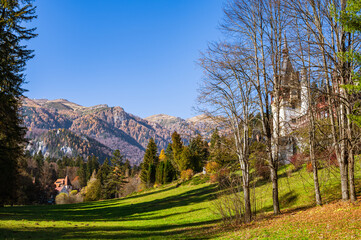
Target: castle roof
{"type": "Point", "coordinates": [286, 67]}
{"type": "Point", "coordinates": [61, 182]}
{"type": "Point", "coordinates": [67, 181]}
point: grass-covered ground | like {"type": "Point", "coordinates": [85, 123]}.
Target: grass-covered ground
{"type": "Point", "coordinates": [187, 212]}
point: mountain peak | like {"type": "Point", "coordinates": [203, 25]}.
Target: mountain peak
{"type": "Point", "coordinates": [195, 119]}
{"type": "Point", "coordinates": [162, 117]}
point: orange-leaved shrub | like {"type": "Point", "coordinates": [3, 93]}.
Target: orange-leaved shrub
{"type": "Point", "coordinates": [212, 167]}
{"type": "Point", "coordinates": [187, 174]}
{"type": "Point", "coordinates": [221, 176]}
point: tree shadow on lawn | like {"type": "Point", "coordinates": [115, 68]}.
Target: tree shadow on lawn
{"type": "Point", "coordinates": [198, 230]}
{"type": "Point", "coordinates": [109, 211]}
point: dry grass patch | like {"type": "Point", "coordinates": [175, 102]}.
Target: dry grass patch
{"type": "Point", "coordinates": [337, 220]}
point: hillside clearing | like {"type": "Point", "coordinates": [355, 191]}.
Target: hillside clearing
{"type": "Point", "coordinates": [187, 212]}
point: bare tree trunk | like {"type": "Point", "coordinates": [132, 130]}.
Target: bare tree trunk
{"type": "Point", "coordinates": [246, 191]}
{"type": "Point", "coordinates": [312, 154]}
{"type": "Point", "coordinates": [343, 160]}
{"type": "Point", "coordinates": [275, 198]}
{"type": "Point", "coordinates": [351, 177]}
{"type": "Point", "coordinates": [247, 203]}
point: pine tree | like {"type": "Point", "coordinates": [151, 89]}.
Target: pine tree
{"type": "Point", "coordinates": [39, 159]}
{"type": "Point", "coordinates": [102, 175]}
{"type": "Point", "coordinates": [169, 153]}
{"type": "Point", "coordinates": [13, 58]}
{"type": "Point", "coordinates": [199, 153]}
{"type": "Point", "coordinates": [185, 159]}
{"type": "Point", "coordinates": [177, 148]}
{"type": "Point", "coordinates": [149, 164]}
{"type": "Point", "coordinates": [115, 179]}
{"type": "Point", "coordinates": [126, 168]}
{"type": "Point", "coordinates": [160, 172]}
{"type": "Point", "coordinates": [82, 173]}
{"type": "Point", "coordinates": [169, 172]}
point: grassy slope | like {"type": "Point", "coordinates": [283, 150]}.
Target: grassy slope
{"type": "Point", "coordinates": [185, 212]}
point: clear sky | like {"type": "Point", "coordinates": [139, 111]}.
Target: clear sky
{"type": "Point", "coordinates": [137, 54]}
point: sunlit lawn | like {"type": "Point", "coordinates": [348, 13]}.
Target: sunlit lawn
{"type": "Point", "coordinates": [185, 212]}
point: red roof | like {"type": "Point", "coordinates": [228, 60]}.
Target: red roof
{"type": "Point", "coordinates": [61, 182]}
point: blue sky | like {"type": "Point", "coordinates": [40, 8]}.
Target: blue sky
{"type": "Point", "coordinates": [137, 54]}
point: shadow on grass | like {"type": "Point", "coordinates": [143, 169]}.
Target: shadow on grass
{"type": "Point", "coordinates": [110, 210]}
{"type": "Point", "coordinates": [179, 231]}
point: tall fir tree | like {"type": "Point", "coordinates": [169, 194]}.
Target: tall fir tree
{"type": "Point", "coordinates": [169, 153]}
{"type": "Point", "coordinates": [149, 164]}
{"type": "Point", "coordinates": [82, 173]}
{"type": "Point", "coordinates": [13, 57]}
{"type": "Point", "coordinates": [177, 148]}
{"type": "Point", "coordinates": [185, 160]}
{"type": "Point", "coordinates": [102, 176]}
{"type": "Point", "coordinates": [169, 172]}
{"type": "Point", "coordinates": [115, 180]}
{"type": "Point", "coordinates": [199, 153]}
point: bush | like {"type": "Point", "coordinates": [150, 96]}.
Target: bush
{"type": "Point", "coordinates": [298, 160]}
{"type": "Point", "coordinates": [222, 176]}
{"type": "Point", "coordinates": [62, 198]}
{"type": "Point", "coordinates": [212, 167]}
{"type": "Point", "coordinates": [262, 170]}
{"type": "Point", "coordinates": [92, 191]}
{"type": "Point", "coordinates": [187, 174]}
{"type": "Point", "coordinates": [309, 167]}
{"type": "Point", "coordinates": [131, 186]}
{"type": "Point", "coordinates": [229, 203]}
{"type": "Point", "coordinates": [73, 197]}
{"type": "Point", "coordinates": [73, 192]}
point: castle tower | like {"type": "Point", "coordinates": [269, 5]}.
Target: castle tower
{"type": "Point", "coordinates": [293, 104]}
{"type": "Point", "coordinates": [304, 92]}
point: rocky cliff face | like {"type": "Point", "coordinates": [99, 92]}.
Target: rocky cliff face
{"type": "Point", "coordinates": [59, 127]}
{"type": "Point", "coordinates": [187, 128]}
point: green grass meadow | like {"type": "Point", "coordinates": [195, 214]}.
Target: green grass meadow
{"type": "Point", "coordinates": [168, 212]}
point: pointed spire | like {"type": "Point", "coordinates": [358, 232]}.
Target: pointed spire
{"type": "Point", "coordinates": [286, 67]}
{"type": "Point", "coordinates": [285, 48]}
{"type": "Point", "coordinates": [67, 181]}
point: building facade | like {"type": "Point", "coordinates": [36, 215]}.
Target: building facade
{"type": "Point", "coordinates": [291, 109]}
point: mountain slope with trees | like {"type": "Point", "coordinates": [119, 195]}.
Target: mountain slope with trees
{"type": "Point", "coordinates": [109, 127]}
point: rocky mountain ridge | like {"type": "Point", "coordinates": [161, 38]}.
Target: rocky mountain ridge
{"type": "Point", "coordinates": [100, 129]}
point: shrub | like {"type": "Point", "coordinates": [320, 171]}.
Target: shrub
{"type": "Point", "coordinates": [92, 191]}
{"type": "Point", "coordinates": [187, 174]}
{"type": "Point", "coordinates": [309, 167]}
{"type": "Point", "coordinates": [333, 160]}
{"type": "Point", "coordinates": [62, 198]}
{"type": "Point", "coordinates": [212, 167]}
{"type": "Point", "coordinates": [222, 176]}
{"type": "Point", "coordinates": [73, 197]}
{"type": "Point", "coordinates": [298, 160]}
{"type": "Point", "coordinates": [229, 202]}
{"type": "Point", "coordinates": [262, 170]}
{"type": "Point", "coordinates": [73, 192]}
{"type": "Point", "coordinates": [132, 185]}
{"type": "Point", "coordinates": [213, 178]}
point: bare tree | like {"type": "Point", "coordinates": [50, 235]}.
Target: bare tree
{"type": "Point", "coordinates": [330, 42]}
{"type": "Point", "coordinates": [258, 25]}
{"type": "Point", "coordinates": [227, 92]}
{"type": "Point", "coordinates": [302, 40]}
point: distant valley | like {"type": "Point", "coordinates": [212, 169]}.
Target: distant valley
{"type": "Point", "coordinates": [59, 127]}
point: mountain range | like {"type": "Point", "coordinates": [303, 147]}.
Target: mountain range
{"type": "Point", "coordinates": [59, 127]}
